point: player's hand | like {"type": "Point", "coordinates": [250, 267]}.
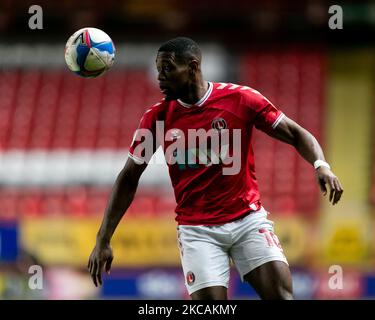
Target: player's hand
{"type": "Point", "coordinates": [101, 256]}
{"type": "Point", "coordinates": [326, 176]}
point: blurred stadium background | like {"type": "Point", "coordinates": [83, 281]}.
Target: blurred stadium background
{"type": "Point", "coordinates": [63, 139]}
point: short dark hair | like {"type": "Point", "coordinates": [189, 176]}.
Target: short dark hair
{"type": "Point", "coordinates": [183, 48]}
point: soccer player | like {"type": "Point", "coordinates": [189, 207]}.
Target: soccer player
{"type": "Point", "coordinates": [220, 215]}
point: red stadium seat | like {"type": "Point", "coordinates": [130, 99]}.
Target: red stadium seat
{"type": "Point", "coordinates": [54, 109]}
{"type": "Point", "coordinates": [8, 200]}
{"type": "Point", "coordinates": [76, 201]}
{"type": "Point", "coordinates": [30, 203]}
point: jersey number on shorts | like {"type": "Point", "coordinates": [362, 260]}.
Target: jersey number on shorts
{"type": "Point", "coordinates": [271, 238]}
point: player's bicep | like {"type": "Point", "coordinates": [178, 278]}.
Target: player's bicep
{"type": "Point", "coordinates": [133, 169]}
{"type": "Point", "coordinates": [285, 130]}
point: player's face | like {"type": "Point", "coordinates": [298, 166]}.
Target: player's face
{"type": "Point", "coordinates": [173, 75]}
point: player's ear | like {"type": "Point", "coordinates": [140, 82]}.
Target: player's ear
{"type": "Point", "coordinates": [193, 67]}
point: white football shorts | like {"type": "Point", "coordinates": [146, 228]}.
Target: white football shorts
{"type": "Point", "coordinates": [206, 251]}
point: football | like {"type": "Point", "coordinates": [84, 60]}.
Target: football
{"type": "Point", "coordinates": [89, 52]}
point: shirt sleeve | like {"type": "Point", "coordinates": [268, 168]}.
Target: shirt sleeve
{"type": "Point", "coordinates": [144, 143]}
{"type": "Point", "coordinates": [263, 113]}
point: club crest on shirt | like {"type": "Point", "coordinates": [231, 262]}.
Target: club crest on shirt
{"type": "Point", "coordinates": [190, 278]}
{"type": "Point", "coordinates": [218, 124]}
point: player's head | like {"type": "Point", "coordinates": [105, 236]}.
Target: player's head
{"type": "Point", "coordinates": [179, 65]}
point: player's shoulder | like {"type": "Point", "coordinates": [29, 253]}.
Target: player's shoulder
{"type": "Point", "coordinates": [228, 88]}
{"type": "Point", "coordinates": [154, 110]}
{"type": "Point", "coordinates": [238, 93]}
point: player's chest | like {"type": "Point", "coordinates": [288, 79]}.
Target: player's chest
{"type": "Point", "coordinates": [202, 118]}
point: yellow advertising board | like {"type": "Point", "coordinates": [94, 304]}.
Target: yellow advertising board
{"type": "Point", "coordinates": [345, 240]}
{"type": "Point", "coordinates": [137, 242]}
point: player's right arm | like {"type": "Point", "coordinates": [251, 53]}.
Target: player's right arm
{"type": "Point", "coordinates": [141, 150]}
{"type": "Point", "coordinates": [120, 199]}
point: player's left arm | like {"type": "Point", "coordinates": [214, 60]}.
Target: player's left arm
{"type": "Point", "coordinates": [309, 148]}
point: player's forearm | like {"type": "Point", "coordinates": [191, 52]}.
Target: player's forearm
{"type": "Point", "coordinates": [307, 146]}
{"type": "Point", "coordinates": [120, 199]}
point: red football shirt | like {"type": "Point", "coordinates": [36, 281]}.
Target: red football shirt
{"type": "Point", "coordinates": [204, 194]}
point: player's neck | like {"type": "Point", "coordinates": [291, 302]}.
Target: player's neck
{"type": "Point", "coordinates": [195, 92]}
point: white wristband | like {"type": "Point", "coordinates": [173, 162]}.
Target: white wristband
{"type": "Point", "coordinates": [321, 163]}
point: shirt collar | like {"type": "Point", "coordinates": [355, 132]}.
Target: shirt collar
{"type": "Point", "coordinates": [202, 100]}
